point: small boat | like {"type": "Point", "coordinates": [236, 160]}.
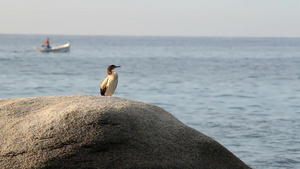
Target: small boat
{"type": "Point", "coordinates": [60, 48]}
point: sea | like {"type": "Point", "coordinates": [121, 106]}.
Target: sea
{"type": "Point", "coordinates": [242, 92]}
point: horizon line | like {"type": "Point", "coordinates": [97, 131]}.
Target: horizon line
{"type": "Point", "coordinates": [179, 36]}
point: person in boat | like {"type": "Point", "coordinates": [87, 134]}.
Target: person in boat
{"type": "Point", "coordinates": [47, 44]}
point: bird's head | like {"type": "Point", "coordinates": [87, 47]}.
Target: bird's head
{"type": "Point", "coordinates": [112, 67]}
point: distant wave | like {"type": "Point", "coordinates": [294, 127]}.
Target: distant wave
{"type": "Point", "coordinates": [22, 51]}
{"type": "Point", "coordinates": [5, 59]}
{"type": "Point", "coordinates": [17, 51]}
{"type": "Point", "coordinates": [229, 95]}
{"type": "Point", "coordinates": [237, 108]}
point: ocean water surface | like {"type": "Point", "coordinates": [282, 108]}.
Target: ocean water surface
{"type": "Point", "coordinates": [242, 92]}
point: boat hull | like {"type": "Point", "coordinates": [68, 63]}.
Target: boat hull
{"type": "Point", "coordinates": [61, 48]}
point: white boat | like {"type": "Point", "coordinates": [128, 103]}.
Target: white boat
{"type": "Point", "coordinates": [60, 48]}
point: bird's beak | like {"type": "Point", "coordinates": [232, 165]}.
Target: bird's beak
{"type": "Point", "coordinates": [118, 66]}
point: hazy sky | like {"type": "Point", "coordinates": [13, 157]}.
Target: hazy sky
{"type": "Point", "coordinates": [266, 18]}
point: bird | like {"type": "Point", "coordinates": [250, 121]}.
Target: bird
{"type": "Point", "coordinates": [109, 84]}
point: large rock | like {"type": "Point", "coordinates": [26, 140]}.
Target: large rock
{"type": "Point", "coordinates": [84, 131]}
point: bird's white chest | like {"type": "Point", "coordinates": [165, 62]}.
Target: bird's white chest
{"type": "Point", "coordinates": [113, 78]}
{"type": "Point", "coordinates": [112, 83]}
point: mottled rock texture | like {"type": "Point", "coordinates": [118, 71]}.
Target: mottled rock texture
{"type": "Point", "coordinates": [86, 131]}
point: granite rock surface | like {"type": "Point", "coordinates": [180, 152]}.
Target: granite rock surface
{"type": "Point", "coordinates": [88, 131]}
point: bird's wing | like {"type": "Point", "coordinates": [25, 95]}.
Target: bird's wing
{"type": "Point", "coordinates": [103, 90]}
{"type": "Point", "coordinates": [103, 86]}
